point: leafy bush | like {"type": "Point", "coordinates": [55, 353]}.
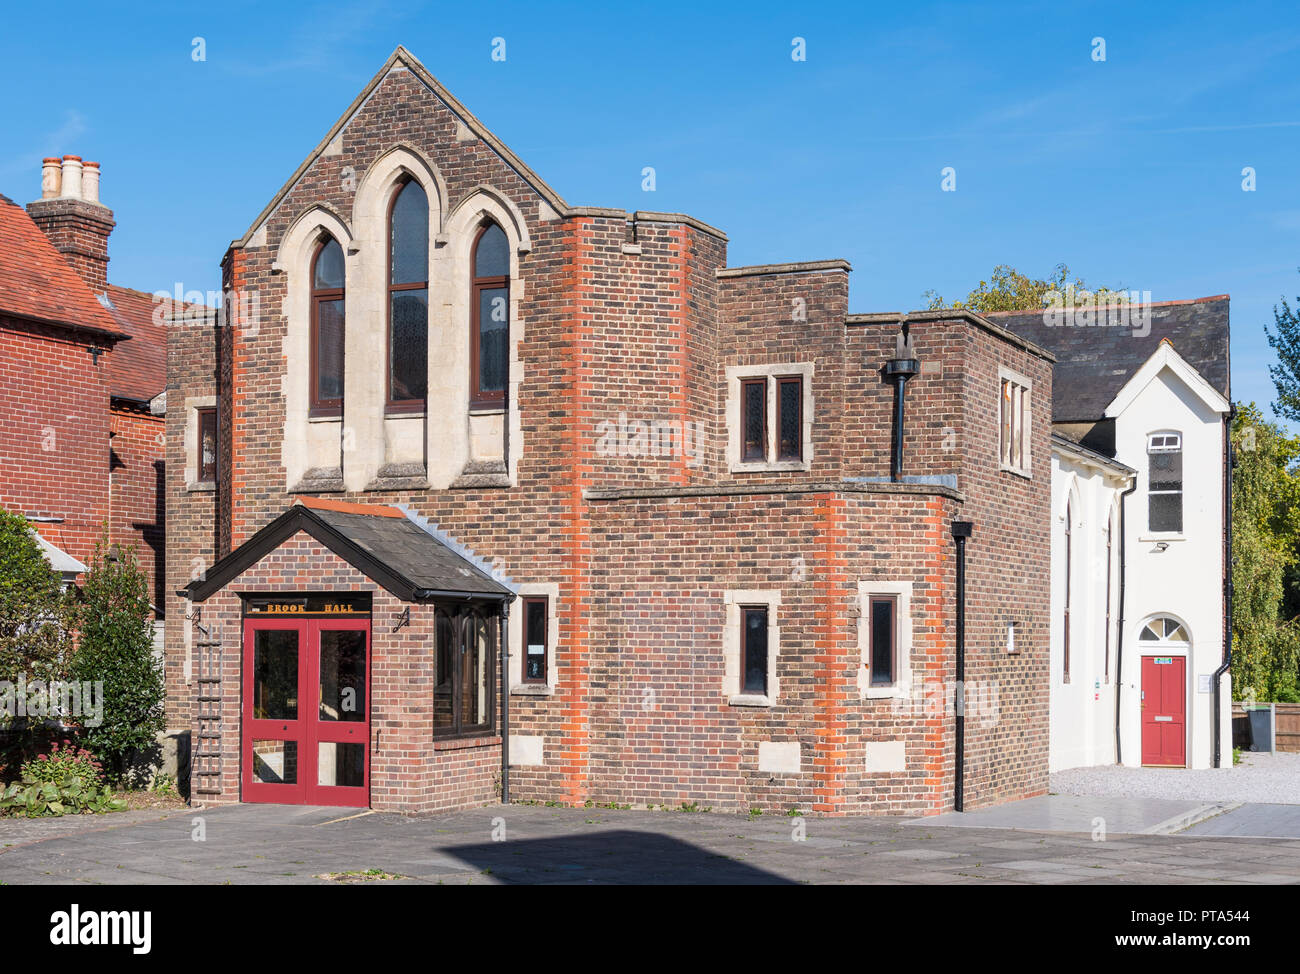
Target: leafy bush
{"type": "Point", "coordinates": [117, 647]}
{"type": "Point", "coordinates": [35, 634]}
{"type": "Point", "coordinates": [31, 798]}
{"type": "Point", "coordinates": [64, 765]}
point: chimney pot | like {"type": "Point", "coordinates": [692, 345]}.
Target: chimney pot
{"type": "Point", "coordinates": [72, 177]}
{"type": "Point", "coordinates": [90, 182]}
{"type": "Point", "coordinates": [51, 177]}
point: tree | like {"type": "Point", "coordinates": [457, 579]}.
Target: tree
{"type": "Point", "coordinates": [1285, 340]}
{"type": "Point", "coordinates": [116, 646]}
{"type": "Point", "coordinates": [1265, 534]}
{"type": "Point", "coordinates": [1009, 290]}
{"type": "Point", "coordinates": [34, 631]}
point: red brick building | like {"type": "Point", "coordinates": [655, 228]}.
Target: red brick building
{"type": "Point", "coordinates": [452, 420]}
{"type": "Point", "coordinates": [80, 362]}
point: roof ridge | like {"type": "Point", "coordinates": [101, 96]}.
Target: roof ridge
{"type": "Point", "coordinates": [1117, 304]}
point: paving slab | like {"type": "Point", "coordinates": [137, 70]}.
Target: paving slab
{"type": "Point", "coordinates": [276, 845]}
{"type": "Point", "coordinates": [1253, 821]}
{"type": "Point", "coordinates": [1083, 814]}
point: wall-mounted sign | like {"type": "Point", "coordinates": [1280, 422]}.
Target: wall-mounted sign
{"type": "Point", "coordinates": [1165, 660]}
{"type": "Point", "coordinates": [344, 604]}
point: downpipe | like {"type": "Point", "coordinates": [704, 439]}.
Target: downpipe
{"type": "Point", "coordinates": [1119, 635]}
{"type": "Point", "coordinates": [1216, 719]}
{"type": "Point", "coordinates": [961, 530]}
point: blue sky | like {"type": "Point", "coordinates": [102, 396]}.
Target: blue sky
{"type": "Point", "coordinates": [1128, 170]}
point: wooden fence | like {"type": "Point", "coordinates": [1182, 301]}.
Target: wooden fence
{"type": "Point", "coordinates": [1288, 724]}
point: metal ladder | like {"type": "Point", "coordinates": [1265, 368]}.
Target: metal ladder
{"type": "Point", "coordinates": [207, 749]}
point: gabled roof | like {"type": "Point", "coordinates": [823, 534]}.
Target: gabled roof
{"type": "Point", "coordinates": [379, 541]}
{"type": "Point", "coordinates": [1167, 357]}
{"type": "Point", "coordinates": [137, 369]}
{"type": "Point", "coordinates": [402, 58]}
{"type": "Point", "coordinates": [36, 283]}
{"type": "Point", "coordinates": [1094, 363]}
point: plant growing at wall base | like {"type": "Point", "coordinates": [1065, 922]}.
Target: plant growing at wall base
{"type": "Point", "coordinates": [34, 630]}
{"type": "Point", "coordinates": [117, 647]}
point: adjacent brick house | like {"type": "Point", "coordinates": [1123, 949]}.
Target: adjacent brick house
{"type": "Point", "coordinates": [452, 420]}
{"type": "Point", "coordinates": [80, 361]}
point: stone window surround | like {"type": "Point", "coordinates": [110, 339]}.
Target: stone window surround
{"type": "Point", "coordinates": [1025, 470]}
{"type": "Point", "coordinates": [515, 630]}
{"type": "Point", "coordinates": [371, 463]}
{"type": "Point", "coordinates": [192, 407]}
{"type": "Point", "coordinates": [731, 646]}
{"type": "Point", "coordinates": [735, 375]}
{"type": "Point", "coordinates": [902, 685]}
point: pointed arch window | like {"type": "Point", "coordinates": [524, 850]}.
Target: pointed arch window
{"type": "Point", "coordinates": [327, 328]}
{"type": "Point", "coordinates": [408, 299]}
{"type": "Point", "coordinates": [490, 318]}
{"type": "Point", "coordinates": [1069, 567]}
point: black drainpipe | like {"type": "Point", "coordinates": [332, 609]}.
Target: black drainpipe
{"type": "Point", "coordinates": [898, 370]}
{"type": "Point", "coordinates": [1227, 584]}
{"type": "Point", "coordinates": [961, 530]}
{"type": "Point", "coordinates": [1119, 635]}
{"type": "Point", "coordinates": [505, 702]}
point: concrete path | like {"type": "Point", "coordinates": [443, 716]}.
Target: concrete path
{"type": "Point", "coordinates": [1071, 813]}
{"type": "Point", "coordinates": [535, 844]}
{"type": "Point", "coordinates": [1256, 820]}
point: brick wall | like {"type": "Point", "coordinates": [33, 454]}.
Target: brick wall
{"type": "Point", "coordinates": [136, 467]}
{"type": "Point", "coordinates": [54, 451]}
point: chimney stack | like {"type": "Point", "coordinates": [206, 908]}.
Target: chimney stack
{"type": "Point", "coordinates": [72, 217]}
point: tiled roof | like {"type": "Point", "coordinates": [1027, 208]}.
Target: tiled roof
{"type": "Point", "coordinates": [138, 368]}
{"type": "Point", "coordinates": [37, 283]}
{"type": "Point", "coordinates": [1093, 363]}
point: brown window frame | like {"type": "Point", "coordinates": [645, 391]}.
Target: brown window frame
{"type": "Point", "coordinates": [392, 405]}
{"type": "Point", "coordinates": [797, 382]}
{"type": "Point", "coordinates": [766, 611]}
{"type": "Point", "coordinates": [745, 385]}
{"type": "Point", "coordinates": [203, 415]}
{"type": "Point", "coordinates": [460, 619]}
{"type": "Point", "coordinates": [544, 602]}
{"type": "Point", "coordinates": [892, 601]}
{"type": "Point", "coordinates": [317, 405]}
{"type": "Point", "coordinates": [479, 399]}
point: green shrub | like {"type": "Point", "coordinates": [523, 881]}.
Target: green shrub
{"type": "Point", "coordinates": [117, 647]}
{"type": "Point", "coordinates": [34, 632]}
{"type": "Point", "coordinates": [31, 798]}
{"type": "Point", "coordinates": [63, 765]}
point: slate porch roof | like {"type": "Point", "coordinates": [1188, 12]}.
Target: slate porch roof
{"type": "Point", "coordinates": [381, 542]}
{"type": "Point", "coordinates": [1093, 363]}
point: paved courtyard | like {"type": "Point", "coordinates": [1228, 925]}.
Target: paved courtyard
{"type": "Point", "coordinates": [537, 844]}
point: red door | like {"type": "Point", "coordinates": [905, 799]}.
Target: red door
{"type": "Point", "coordinates": [306, 711]}
{"type": "Point", "coordinates": [1164, 705]}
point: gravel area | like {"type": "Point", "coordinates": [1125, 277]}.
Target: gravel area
{"type": "Point", "coordinates": [1269, 778]}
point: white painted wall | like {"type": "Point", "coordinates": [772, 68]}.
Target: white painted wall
{"type": "Point", "coordinates": [1185, 581]}
{"type": "Point", "coordinates": [1083, 710]}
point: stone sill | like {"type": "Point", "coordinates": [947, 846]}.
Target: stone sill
{"type": "Point", "coordinates": [749, 700]}
{"type": "Point", "coordinates": [461, 743]}
{"type": "Point", "coordinates": [201, 487]}
{"type": "Point", "coordinates": [532, 690]}
{"type": "Point", "coordinates": [1018, 471]}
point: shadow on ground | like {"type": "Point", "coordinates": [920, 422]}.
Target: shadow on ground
{"type": "Point", "coordinates": [618, 856]}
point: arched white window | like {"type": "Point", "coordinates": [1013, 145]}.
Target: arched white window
{"type": "Point", "coordinates": [1163, 629]}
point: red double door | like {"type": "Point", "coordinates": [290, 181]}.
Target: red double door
{"type": "Point", "coordinates": [1164, 710]}
{"type": "Point", "coordinates": [306, 711]}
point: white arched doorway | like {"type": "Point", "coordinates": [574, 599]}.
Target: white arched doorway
{"type": "Point", "coordinates": [1164, 644]}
